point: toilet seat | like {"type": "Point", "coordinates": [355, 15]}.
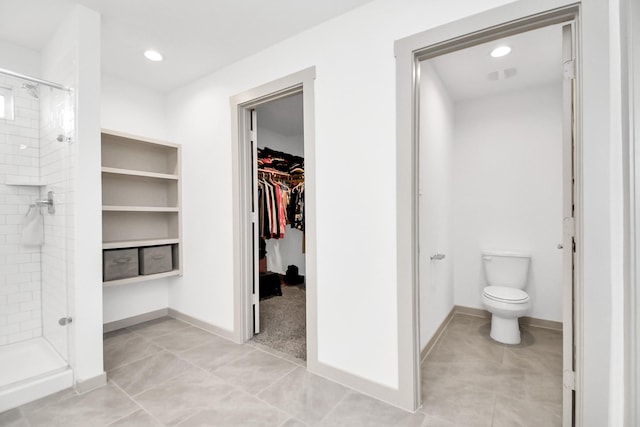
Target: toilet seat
{"type": "Point", "coordinates": [504, 294]}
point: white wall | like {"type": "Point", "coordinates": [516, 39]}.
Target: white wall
{"type": "Point", "coordinates": [19, 59]}
{"type": "Point", "coordinates": [355, 148]}
{"type": "Point", "coordinates": [435, 191]}
{"type": "Point", "coordinates": [130, 108]}
{"type": "Point", "coordinates": [508, 191]}
{"type": "Point", "coordinates": [72, 57]}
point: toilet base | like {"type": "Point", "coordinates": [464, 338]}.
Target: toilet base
{"type": "Point", "coordinates": [506, 331]}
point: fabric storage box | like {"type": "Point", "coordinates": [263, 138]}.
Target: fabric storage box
{"type": "Point", "coordinates": [119, 264]}
{"type": "Point", "coordinates": [156, 259]}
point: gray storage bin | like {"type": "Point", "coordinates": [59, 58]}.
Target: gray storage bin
{"type": "Point", "coordinates": [156, 259]}
{"type": "Point", "coordinates": [119, 264]}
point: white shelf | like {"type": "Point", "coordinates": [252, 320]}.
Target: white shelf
{"type": "Point", "coordinates": [140, 209]}
{"type": "Point", "coordinates": [23, 180]}
{"type": "Point", "coordinates": [141, 197]}
{"type": "Point", "coordinates": [138, 243]}
{"type": "Point", "coordinates": [130, 172]}
{"type": "Point", "coordinates": [138, 279]}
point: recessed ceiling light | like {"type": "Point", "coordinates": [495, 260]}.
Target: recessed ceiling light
{"type": "Point", "coordinates": [500, 51]}
{"type": "Point", "coordinates": [153, 55]}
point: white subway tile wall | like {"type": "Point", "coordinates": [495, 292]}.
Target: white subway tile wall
{"type": "Point", "coordinates": [20, 273]}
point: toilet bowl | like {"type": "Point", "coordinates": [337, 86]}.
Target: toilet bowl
{"type": "Point", "coordinates": [504, 297]}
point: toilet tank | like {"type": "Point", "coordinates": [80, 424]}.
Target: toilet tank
{"type": "Point", "coordinates": [506, 269]}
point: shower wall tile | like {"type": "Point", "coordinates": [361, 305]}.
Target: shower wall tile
{"type": "Point", "coordinates": [20, 297]}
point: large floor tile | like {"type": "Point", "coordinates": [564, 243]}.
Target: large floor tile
{"type": "Point", "coordinates": [460, 403]}
{"type": "Point", "coordinates": [99, 407]}
{"type": "Point", "coordinates": [540, 362]}
{"type": "Point", "coordinates": [137, 419]}
{"type": "Point", "coordinates": [12, 418]}
{"type": "Point", "coordinates": [304, 395]}
{"type": "Point", "coordinates": [255, 371]}
{"type": "Point", "coordinates": [522, 413]}
{"type": "Point", "coordinates": [184, 339]}
{"type": "Point", "coordinates": [463, 346]}
{"type": "Point", "coordinates": [431, 421]}
{"type": "Point", "coordinates": [217, 352]}
{"type": "Point", "coordinates": [358, 410]}
{"type": "Point", "coordinates": [124, 347]}
{"type": "Point", "coordinates": [292, 422]}
{"type": "Point", "coordinates": [238, 409]}
{"type": "Point", "coordinates": [182, 396]}
{"type": "Point", "coordinates": [157, 327]}
{"type": "Point", "coordinates": [48, 400]}
{"type": "Point", "coordinates": [149, 372]}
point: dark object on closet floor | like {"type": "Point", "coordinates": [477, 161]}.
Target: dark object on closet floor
{"type": "Point", "coordinates": [292, 277]}
{"type": "Point", "coordinates": [269, 285]}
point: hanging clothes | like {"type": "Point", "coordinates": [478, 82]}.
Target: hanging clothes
{"type": "Point", "coordinates": [279, 204]}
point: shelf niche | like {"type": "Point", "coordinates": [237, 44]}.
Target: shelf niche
{"type": "Point", "coordinates": [141, 197]}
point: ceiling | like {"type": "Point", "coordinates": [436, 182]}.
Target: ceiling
{"type": "Point", "coordinates": [196, 37]}
{"type": "Point", "coordinates": [536, 57]}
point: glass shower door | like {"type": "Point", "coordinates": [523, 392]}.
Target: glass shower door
{"type": "Point", "coordinates": [36, 152]}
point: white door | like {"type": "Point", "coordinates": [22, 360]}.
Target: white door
{"type": "Point", "coordinates": [569, 222]}
{"type": "Point", "coordinates": [255, 226]}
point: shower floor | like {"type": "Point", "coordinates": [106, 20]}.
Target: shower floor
{"type": "Point", "coordinates": [28, 359]}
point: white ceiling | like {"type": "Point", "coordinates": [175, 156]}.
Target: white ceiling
{"type": "Point", "coordinates": [536, 56]}
{"type": "Point", "coordinates": [196, 37]}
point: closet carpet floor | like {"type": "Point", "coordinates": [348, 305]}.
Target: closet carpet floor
{"type": "Point", "coordinates": [283, 322]}
{"type": "Point", "coordinates": [169, 373]}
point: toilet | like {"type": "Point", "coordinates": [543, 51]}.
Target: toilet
{"type": "Point", "coordinates": [504, 297]}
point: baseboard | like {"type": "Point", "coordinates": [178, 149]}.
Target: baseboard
{"type": "Point", "coordinates": [541, 323]}
{"type": "Point", "coordinates": [436, 336]}
{"type": "Point", "coordinates": [370, 388]}
{"type": "Point", "coordinates": [201, 324]}
{"type": "Point", "coordinates": [134, 320]}
{"type": "Point", "coordinates": [91, 383]}
{"type": "Point", "coordinates": [471, 311]}
{"type": "Point", "coordinates": [525, 320]}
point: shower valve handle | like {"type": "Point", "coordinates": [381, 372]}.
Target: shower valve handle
{"type": "Point", "coordinates": [64, 321]}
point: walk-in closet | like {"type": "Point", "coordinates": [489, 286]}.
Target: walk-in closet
{"type": "Point", "coordinates": [279, 194]}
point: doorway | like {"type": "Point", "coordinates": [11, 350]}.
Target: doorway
{"type": "Point", "coordinates": [491, 182]}
{"type": "Point", "coordinates": [279, 314]}
{"type": "Point", "coordinates": [410, 52]}
{"type": "Point", "coordinates": [246, 109]}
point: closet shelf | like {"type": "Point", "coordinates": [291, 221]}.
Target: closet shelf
{"type": "Point", "coordinates": [137, 279]}
{"type": "Point", "coordinates": [131, 172]}
{"type": "Point", "coordinates": [138, 243]}
{"type": "Point", "coordinates": [106, 208]}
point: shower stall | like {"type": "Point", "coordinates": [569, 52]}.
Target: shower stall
{"type": "Point", "coordinates": [36, 237]}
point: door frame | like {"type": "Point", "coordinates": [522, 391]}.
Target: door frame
{"type": "Point", "coordinates": [243, 251]}
{"type": "Point", "coordinates": [512, 18]}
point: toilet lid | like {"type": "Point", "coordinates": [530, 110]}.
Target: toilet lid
{"type": "Point", "coordinates": [503, 294]}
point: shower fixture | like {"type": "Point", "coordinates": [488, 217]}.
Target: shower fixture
{"type": "Point", "coordinates": [31, 89]}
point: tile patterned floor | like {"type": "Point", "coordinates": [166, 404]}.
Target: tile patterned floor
{"type": "Point", "coordinates": [169, 373]}
{"type": "Point", "coordinates": [470, 380]}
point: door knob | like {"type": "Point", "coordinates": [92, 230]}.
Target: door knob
{"type": "Point", "coordinates": [560, 246]}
